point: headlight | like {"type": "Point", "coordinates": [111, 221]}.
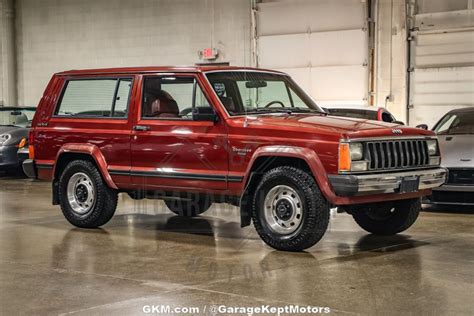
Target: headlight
{"type": "Point", "coordinates": [357, 151]}
{"type": "Point", "coordinates": [432, 147]}
{"type": "Point", "coordinates": [4, 138]}
{"type": "Point", "coordinates": [361, 165]}
{"type": "Point", "coordinates": [350, 157]}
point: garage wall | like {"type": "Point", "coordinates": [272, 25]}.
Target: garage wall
{"type": "Point", "coordinates": [441, 59]}
{"type": "Point", "coordinates": [1, 55]}
{"type": "Point", "coordinates": [57, 35]}
{"type": "Point", "coordinates": [391, 57]}
{"type": "Point", "coordinates": [323, 44]}
{"type": "Point", "coordinates": [7, 53]}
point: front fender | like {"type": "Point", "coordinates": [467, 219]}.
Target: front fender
{"type": "Point", "coordinates": [91, 150]}
{"type": "Point", "coordinates": [306, 154]}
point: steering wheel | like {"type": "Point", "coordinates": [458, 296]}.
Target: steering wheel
{"type": "Point", "coordinates": [274, 102]}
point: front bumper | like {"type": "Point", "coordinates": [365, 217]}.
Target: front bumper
{"type": "Point", "coordinates": [452, 194]}
{"type": "Point", "coordinates": [353, 185]}
{"type": "Point", "coordinates": [8, 157]}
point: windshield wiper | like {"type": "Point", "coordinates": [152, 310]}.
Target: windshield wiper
{"type": "Point", "coordinates": [301, 110]}
{"type": "Point", "coordinates": [285, 110]}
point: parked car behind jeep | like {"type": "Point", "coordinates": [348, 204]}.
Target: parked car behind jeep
{"type": "Point", "coordinates": [202, 135]}
{"type": "Point", "coordinates": [455, 132]}
{"type": "Point", "coordinates": [363, 112]}
{"type": "Point", "coordinates": [14, 127]}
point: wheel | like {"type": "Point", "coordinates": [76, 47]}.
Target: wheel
{"type": "Point", "coordinates": [194, 206]}
{"type": "Point", "coordinates": [288, 210]}
{"type": "Point", "coordinates": [387, 218]}
{"type": "Point", "coordinates": [85, 199]}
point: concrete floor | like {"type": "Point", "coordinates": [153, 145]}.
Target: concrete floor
{"type": "Point", "coordinates": [146, 256]}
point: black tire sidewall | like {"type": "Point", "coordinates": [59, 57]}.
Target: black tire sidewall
{"type": "Point", "coordinates": [404, 216]}
{"type": "Point", "coordinates": [315, 209]}
{"type": "Point", "coordinates": [105, 201]}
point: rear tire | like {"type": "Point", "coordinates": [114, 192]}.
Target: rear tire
{"type": "Point", "coordinates": [386, 218]}
{"type": "Point", "coordinates": [197, 204]}
{"type": "Point", "coordinates": [85, 199]}
{"type": "Point", "coordinates": [289, 212]}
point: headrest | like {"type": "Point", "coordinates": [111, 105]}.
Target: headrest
{"type": "Point", "coordinates": [164, 106]}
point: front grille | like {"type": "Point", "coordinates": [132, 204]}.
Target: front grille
{"type": "Point", "coordinates": [461, 176]}
{"type": "Point", "coordinates": [397, 154]}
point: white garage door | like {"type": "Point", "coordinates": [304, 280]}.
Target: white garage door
{"type": "Point", "coordinates": [442, 63]}
{"type": "Point", "coordinates": [321, 43]}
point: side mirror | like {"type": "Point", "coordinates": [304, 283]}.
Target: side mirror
{"type": "Point", "coordinates": [398, 122]}
{"type": "Point", "coordinates": [204, 113]}
{"type": "Point", "coordinates": [422, 126]}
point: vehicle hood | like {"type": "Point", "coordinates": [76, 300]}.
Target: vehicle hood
{"type": "Point", "coordinates": [17, 133]}
{"type": "Point", "coordinates": [344, 126]}
{"type": "Point", "coordinates": [457, 151]}
{"type": "Point", "coordinates": [6, 129]}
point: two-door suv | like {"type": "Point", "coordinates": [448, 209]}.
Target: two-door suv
{"type": "Point", "coordinates": [202, 135]}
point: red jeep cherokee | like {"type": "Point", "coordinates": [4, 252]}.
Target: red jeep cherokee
{"type": "Point", "coordinates": [249, 137]}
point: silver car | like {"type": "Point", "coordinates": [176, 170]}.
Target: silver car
{"type": "Point", "coordinates": [456, 142]}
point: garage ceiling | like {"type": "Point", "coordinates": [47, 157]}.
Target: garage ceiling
{"type": "Point", "coordinates": [322, 44]}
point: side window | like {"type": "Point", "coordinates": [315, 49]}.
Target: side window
{"type": "Point", "coordinates": [444, 126]}
{"type": "Point", "coordinates": [171, 97]}
{"type": "Point", "coordinates": [95, 97]}
{"type": "Point", "coordinates": [122, 97]}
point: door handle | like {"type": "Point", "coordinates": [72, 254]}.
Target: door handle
{"type": "Point", "coordinates": [142, 128]}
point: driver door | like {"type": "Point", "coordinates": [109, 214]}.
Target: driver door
{"type": "Point", "coordinates": [169, 148]}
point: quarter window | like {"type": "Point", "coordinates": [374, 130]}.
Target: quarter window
{"type": "Point", "coordinates": [96, 97]}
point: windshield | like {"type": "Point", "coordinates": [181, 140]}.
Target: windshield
{"type": "Point", "coordinates": [247, 92]}
{"type": "Point", "coordinates": [16, 117]}
{"type": "Point", "coordinates": [456, 123]}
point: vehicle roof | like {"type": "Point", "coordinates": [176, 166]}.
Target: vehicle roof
{"type": "Point", "coordinates": [463, 110]}
{"type": "Point", "coordinates": [152, 69]}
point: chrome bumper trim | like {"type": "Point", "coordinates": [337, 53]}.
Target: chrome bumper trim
{"type": "Point", "coordinates": [348, 185]}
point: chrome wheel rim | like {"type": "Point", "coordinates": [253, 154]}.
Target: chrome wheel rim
{"type": "Point", "coordinates": [81, 193]}
{"type": "Point", "coordinates": [283, 210]}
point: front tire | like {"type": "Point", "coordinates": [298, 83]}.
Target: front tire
{"type": "Point", "coordinates": [85, 199]}
{"type": "Point", "coordinates": [289, 211]}
{"type": "Point", "coordinates": [387, 218]}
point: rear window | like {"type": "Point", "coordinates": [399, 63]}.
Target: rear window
{"type": "Point", "coordinates": [108, 97]}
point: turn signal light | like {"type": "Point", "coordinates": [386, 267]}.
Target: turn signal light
{"type": "Point", "coordinates": [22, 143]}
{"type": "Point", "coordinates": [31, 148]}
{"type": "Point", "coordinates": [344, 157]}
{"type": "Point", "coordinates": [31, 152]}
